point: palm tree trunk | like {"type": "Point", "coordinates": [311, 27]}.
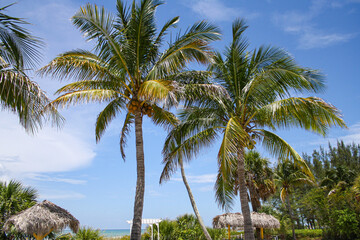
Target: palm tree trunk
{"type": "Point", "coordinates": [255, 202]}
{"type": "Point", "coordinates": [192, 200]}
{"type": "Point", "coordinates": [140, 181]}
{"type": "Point", "coordinates": [291, 216]}
{"type": "Point", "coordinates": [248, 227]}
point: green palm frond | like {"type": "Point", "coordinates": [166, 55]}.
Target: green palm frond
{"type": "Point", "coordinates": [281, 149]}
{"type": "Point", "coordinates": [310, 113]}
{"type": "Point", "coordinates": [79, 65]}
{"type": "Point", "coordinates": [224, 192]}
{"type": "Point", "coordinates": [129, 119]}
{"type": "Point", "coordinates": [18, 46]}
{"type": "Point", "coordinates": [191, 46]}
{"type": "Point", "coordinates": [234, 137]}
{"type": "Point", "coordinates": [186, 148]}
{"type": "Point", "coordinates": [155, 90]}
{"type": "Point", "coordinates": [164, 118]}
{"type": "Point", "coordinates": [86, 96]}
{"type": "Point", "coordinates": [97, 24]}
{"type": "Point", "coordinates": [23, 96]}
{"type": "Point", "coordinates": [107, 115]}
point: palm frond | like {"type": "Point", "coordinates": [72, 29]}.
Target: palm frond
{"type": "Point", "coordinates": [310, 113]}
{"type": "Point", "coordinates": [281, 149]}
{"type": "Point", "coordinates": [164, 118]}
{"type": "Point", "coordinates": [85, 96]}
{"type": "Point", "coordinates": [78, 64]}
{"type": "Point", "coordinates": [129, 119]}
{"type": "Point", "coordinates": [224, 192]}
{"type": "Point", "coordinates": [18, 46]}
{"type": "Point", "coordinates": [155, 90]}
{"type": "Point", "coordinates": [234, 137]}
{"type": "Point", "coordinates": [107, 115]}
{"type": "Point", "coordinates": [21, 95]}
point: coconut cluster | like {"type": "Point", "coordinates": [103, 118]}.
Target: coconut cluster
{"type": "Point", "coordinates": [144, 107]}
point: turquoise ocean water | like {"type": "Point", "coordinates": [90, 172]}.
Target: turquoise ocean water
{"type": "Point", "coordinates": [115, 232]}
{"type": "Point", "coordinates": [109, 233]}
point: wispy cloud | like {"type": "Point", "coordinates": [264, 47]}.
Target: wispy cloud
{"type": "Point", "coordinates": [62, 195]}
{"type": "Point", "coordinates": [217, 10]}
{"type": "Point", "coordinates": [352, 136]}
{"type": "Point", "coordinates": [309, 34]}
{"type": "Point", "coordinates": [43, 177]}
{"type": "Point", "coordinates": [206, 178]}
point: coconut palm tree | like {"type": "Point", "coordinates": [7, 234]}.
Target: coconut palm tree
{"type": "Point", "coordinates": [14, 197]}
{"type": "Point", "coordinates": [260, 85]}
{"type": "Point", "coordinates": [130, 71]}
{"type": "Point", "coordinates": [288, 176]}
{"type": "Point", "coordinates": [19, 50]}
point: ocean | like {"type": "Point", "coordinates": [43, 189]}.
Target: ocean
{"type": "Point", "coordinates": [109, 233]}
{"type": "Point", "coordinates": [115, 232]}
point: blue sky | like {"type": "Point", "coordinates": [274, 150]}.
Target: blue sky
{"type": "Point", "coordinates": [92, 181]}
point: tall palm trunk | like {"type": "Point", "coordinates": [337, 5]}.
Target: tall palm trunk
{"type": "Point", "coordinates": [192, 200]}
{"type": "Point", "coordinates": [291, 216]}
{"type": "Point", "coordinates": [140, 181]}
{"type": "Point", "coordinates": [255, 201]}
{"type": "Point", "coordinates": [248, 227]}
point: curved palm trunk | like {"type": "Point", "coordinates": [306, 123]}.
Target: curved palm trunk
{"type": "Point", "coordinates": [140, 181]}
{"type": "Point", "coordinates": [248, 227]}
{"type": "Point", "coordinates": [193, 204]}
{"type": "Point", "coordinates": [291, 216]}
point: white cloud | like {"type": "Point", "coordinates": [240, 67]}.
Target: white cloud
{"type": "Point", "coordinates": [49, 151]}
{"type": "Point", "coordinates": [302, 25]}
{"type": "Point", "coordinates": [217, 11]}
{"type": "Point", "coordinates": [206, 178]}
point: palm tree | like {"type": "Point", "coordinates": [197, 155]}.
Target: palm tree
{"type": "Point", "coordinates": [14, 197]}
{"type": "Point", "coordinates": [170, 167]}
{"type": "Point", "coordinates": [259, 87]}
{"type": "Point", "coordinates": [19, 50]}
{"type": "Point", "coordinates": [129, 71]}
{"type": "Point", "coordinates": [287, 176]}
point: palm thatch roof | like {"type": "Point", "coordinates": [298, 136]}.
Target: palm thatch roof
{"type": "Point", "coordinates": [236, 220]}
{"type": "Point", "coordinates": [41, 219]}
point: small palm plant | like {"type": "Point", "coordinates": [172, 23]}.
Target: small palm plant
{"type": "Point", "coordinates": [86, 233]}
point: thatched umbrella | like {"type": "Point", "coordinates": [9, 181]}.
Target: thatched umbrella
{"type": "Point", "coordinates": [41, 219]}
{"type": "Point", "coordinates": [259, 220]}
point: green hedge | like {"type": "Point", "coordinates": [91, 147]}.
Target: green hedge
{"type": "Point", "coordinates": [306, 233]}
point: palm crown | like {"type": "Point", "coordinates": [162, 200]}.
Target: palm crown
{"type": "Point", "coordinates": [128, 68]}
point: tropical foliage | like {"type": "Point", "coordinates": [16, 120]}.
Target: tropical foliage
{"type": "Point", "coordinates": [19, 51]}
{"type": "Point", "coordinates": [259, 85]}
{"type": "Point", "coordinates": [184, 227]}
{"type": "Point", "coordinates": [334, 208]}
{"type": "Point", "coordinates": [14, 197]}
